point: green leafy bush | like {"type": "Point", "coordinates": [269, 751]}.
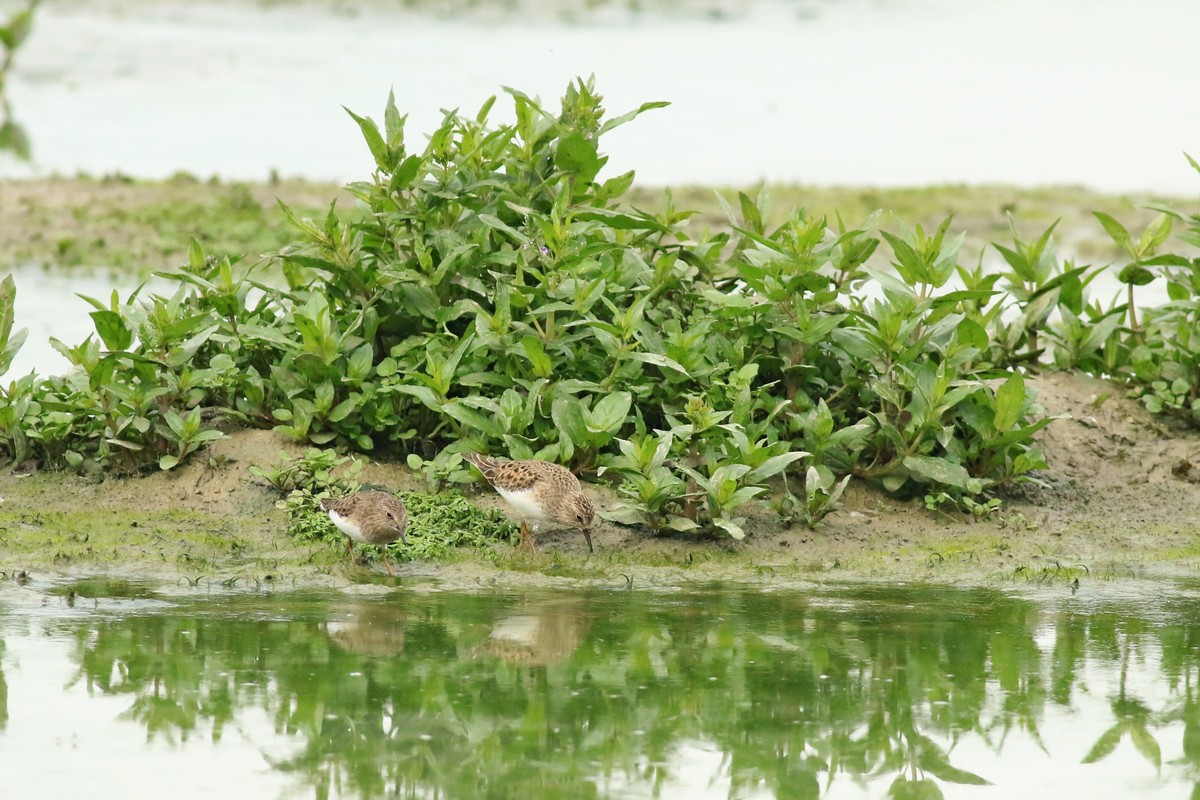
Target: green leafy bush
{"type": "Point", "coordinates": [1156, 350]}
{"type": "Point", "coordinates": [493, 293]}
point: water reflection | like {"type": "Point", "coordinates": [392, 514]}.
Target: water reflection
{"type": "Point", "coordinates": [909, 692]}
{"type": "Point", "coordinates": [99, 70]}
{"type": "Point", "coordinates": [370, 629]}
{"type": "Point", "coordinates": [540, 634]}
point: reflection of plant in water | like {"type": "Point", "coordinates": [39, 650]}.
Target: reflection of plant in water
{"type": "Point", "coordinates": [463, 696]}
{"type": "Point", "coordinates": [1133, 720]}
{"type": "Point", "coordinates": [13, 34]}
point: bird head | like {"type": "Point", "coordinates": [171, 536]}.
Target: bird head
{"type": "Point", "coordinates": [396, 516]}
{"type": "Point", "coordinates": [578, 511]}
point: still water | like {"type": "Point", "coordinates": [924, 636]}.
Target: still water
{"type": "Point", "coordinates": [866, 92]}
{"type": "Point", "coordinates": [119, 690]}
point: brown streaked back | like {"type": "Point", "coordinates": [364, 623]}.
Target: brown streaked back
{"type": "Point", "coordinates": [514, 476]}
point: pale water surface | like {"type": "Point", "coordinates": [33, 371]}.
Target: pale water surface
{"type": "Point", "coordinates": [120, 690]}
{"type": "Point", "coordinates": [873, 92]}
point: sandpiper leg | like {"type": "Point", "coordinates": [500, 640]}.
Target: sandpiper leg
{"type": "Point", "coordinates": [526, 538]}
{"type": "Point", "coordinates": [350, 550]}
{"type": "Point", "coordinates": [386, 564]}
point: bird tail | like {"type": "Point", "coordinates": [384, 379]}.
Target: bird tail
{"type": "Point", "coordinates": [485, 464]}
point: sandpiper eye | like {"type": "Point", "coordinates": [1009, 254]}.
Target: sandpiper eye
{"type": "Point", "coordinates": [579, 517]}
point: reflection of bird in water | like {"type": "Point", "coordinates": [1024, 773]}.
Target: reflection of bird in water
{"type": "Point", "coordinates": [370, 629]}
{"type": "Point", "coordinates": [369, 517]}
{"type": "Point", "coordinates": [538, 490]}
{"type": "Point", "coordinates": [543, 635]}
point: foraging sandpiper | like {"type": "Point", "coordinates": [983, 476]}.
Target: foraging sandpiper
{"type": "Point", "coordinates": [369, 517]}
{"type": "Point", "coordinates": [538, 490]}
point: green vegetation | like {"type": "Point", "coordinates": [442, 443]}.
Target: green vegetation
{"type": "Point", "coordinates": [492, 292]}
{"type": "Point", "coordinates": [437, 522]}
{"type": "Point", "coordinates": [13, 33]}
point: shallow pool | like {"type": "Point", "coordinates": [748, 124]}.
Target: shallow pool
{"type": "Point", "coordinates": [118, 689]}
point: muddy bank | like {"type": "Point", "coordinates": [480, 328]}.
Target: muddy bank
{"type": "Point", "coordinates": [1121, 499]}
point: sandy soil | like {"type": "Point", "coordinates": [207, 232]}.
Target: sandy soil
{"type": "Point", "coordinates": [1121, 499]}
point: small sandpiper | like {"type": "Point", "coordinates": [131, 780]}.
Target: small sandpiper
{"type": "Point", "coordinates": [538, 490]}
{"type": "Point", "coordinates": [369, 517]}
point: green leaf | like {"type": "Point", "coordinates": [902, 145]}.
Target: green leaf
{"type": "Point", "coordinates": [615, 187]}
{"type": "Point", "coordinates": [1155, 234]}
{"type": "Point", "coordinates": [774, 465]}
{"type": "Point", "coordinates": [577, 156]}
{"type": "Point", "coordinates": [930, 469]}
{"type": "Point", "coordinates": [393, 122]}
{"type": "Point", "coordinates": [751, 213]}
{"type": "Point", "coordinates": [404, 175]}
{"type": "Point", "coordinates": [495, 222]}
{"type": "Point", "coordinates": [175, 422]}
{"type": "Point", "coordinates": [14, 139]}
{"type": "Point", "coordinates": [304, 225]}
{"type": "Point", "coordinates": [567, 413]}
{"type": "Point", "coordinates": [360, 363]}
{"type": "Point", "coordinates": [8, 299]}
{"type": "Point", "coordinates": [729, 526]}
{"type": "Point", "coordinates": [742, 495]}
{"type": "Point", "coordinates": [376, 144]}
{"type": "Point", "coordinates": [630, 115]}
{"type": "Point", "coordinates": [168, 462]}
{"type": "Point", "coordinates": [1116, 231]}
{"type": "Point", "coordinates": [608, 415]}
{"type": "Point", "coordinates": [474, 419]}
{"type": "Point", "coordinates": [18, 28]}
{"type": "Point", "coordinates": [972, 334]}
{"type": "Point", "coordinates": [422, 393]}
{"type": "Point", "coordinates": [624, 515]}
{"type": "Point", "coordinates": [622, 221]}
{"type": "Point", "coordinates": [11, 347]}
{"type": "Point", "coordinates": [659, 360]}
{"type": "Point", "coordinates": [1010, 397]}
{"type": "Point", "coordinates": [112, 329]}
{"type": "Point", "coordinates": [343, 409]}
{"type": "Point", "coordinates": [536, 354]}
{"type": "Point", "coordinates": [1135, 274]}
{"type": "Point", "coordinates": [10, 343]}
